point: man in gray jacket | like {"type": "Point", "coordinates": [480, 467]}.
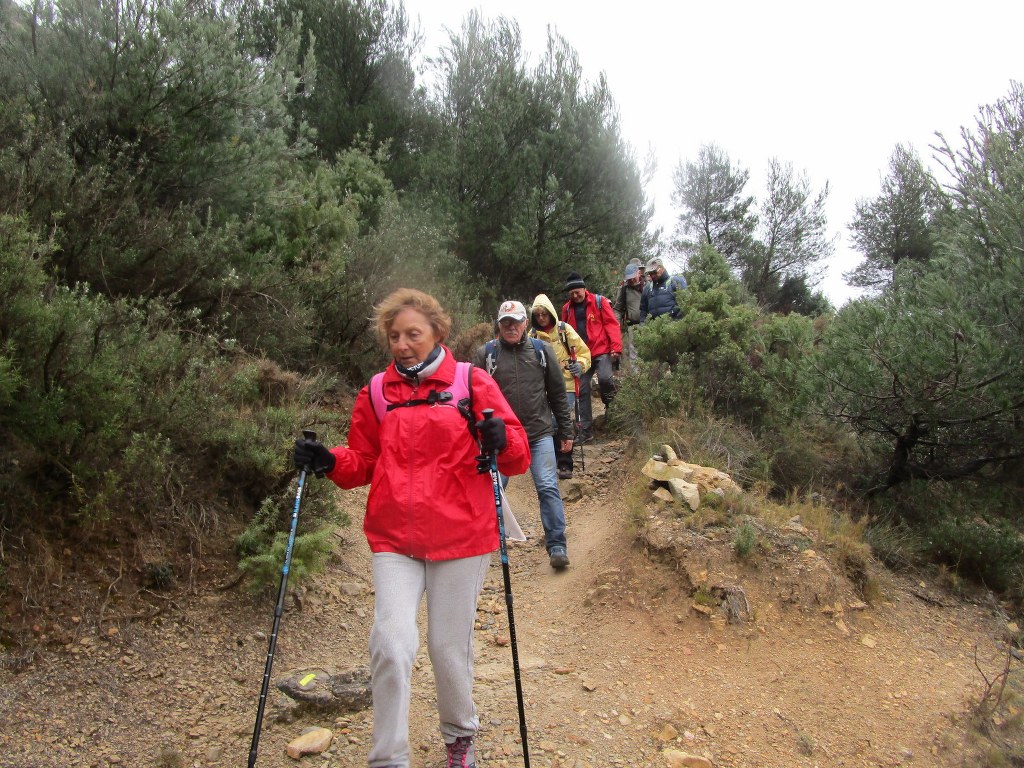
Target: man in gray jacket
{"type": "Point", "coordinates": [627, 306]}
{"type": "Point", "coordinates": [530, 378]}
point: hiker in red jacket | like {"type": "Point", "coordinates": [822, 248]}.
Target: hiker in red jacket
{"type": "Point", "coordinates": [430, 515]}
{"type": "Point", "coordinates": [592, 316]}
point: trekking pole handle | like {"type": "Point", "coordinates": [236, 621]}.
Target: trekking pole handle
{"type": "Point", "coordinates": [488, 413]}
{"type": "Point", "coordinates": [308, 434]}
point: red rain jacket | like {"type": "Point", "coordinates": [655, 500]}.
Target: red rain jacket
{"type": "Point", "coordinates": [603, 333]}
{"type": "Point", "coordinates": [426, 498]}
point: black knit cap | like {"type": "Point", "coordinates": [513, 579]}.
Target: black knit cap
{"type": "Point", "coordinates": [575, 281]}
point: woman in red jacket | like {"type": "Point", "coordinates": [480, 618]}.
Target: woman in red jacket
{"type": "Point", "coordinates": [430, 516]}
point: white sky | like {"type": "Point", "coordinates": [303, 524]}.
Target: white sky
{"type": "Point", "coordinates": [830, 88]}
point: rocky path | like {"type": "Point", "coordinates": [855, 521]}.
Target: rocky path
{"type": "Point", "coordinates": [618, 669]}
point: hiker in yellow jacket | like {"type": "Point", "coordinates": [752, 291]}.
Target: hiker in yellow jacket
{"type": "Point", "coordinates": [545, 325]}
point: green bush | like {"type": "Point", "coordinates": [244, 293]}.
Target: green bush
{"type": "Point", "coordinates": [746, 365]}
{"type": "Point", "coordinates": [745, 540]}
{"type": "Point", "coordinates": [653, 393]}
{"type": "Point", "coordinates": [114, 411]}
{"type": "Point", "coordinates": [309, 553]}
{"type": "Point", "coordinates": [261, 544]}
{"type": "Point", "coordinates": [990, 551]}
{"type": "Point", "coordinates": [973, 528]}
{"type": "Point", "coordinates": [895, 543]}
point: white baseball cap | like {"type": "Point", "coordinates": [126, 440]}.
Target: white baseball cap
{"type": "Point", "coordinates": [513, 309]}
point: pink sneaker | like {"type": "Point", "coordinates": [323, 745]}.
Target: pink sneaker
{"type": "Point", "coordinates": [461, 753]}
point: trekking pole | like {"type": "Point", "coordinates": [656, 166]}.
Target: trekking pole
{"type": "Point", "coordinates": [576, 406]}
{"type": "Point", "coordinates": [490, 462]}
{"type": "Point", "coordinates": [279, 609]}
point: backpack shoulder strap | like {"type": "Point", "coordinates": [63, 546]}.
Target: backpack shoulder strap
{"type": "Point", "coordinates": [597, 300]}
{"type": "Point", "coordinates": [538, 350]}
{"type": "Point", "coordinates": [491, 355]}
{"type": "Point", "coordinates": [460, 394]}
{"type": "Point", "coordinates": [377, 400]}
{"type": "Point", "coordinates": [563, 336]}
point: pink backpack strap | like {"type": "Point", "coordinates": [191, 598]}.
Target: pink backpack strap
{"type": "Point", "coordinates": [461, 388]}
{"type": "Point", "coordinates": [380, 405]}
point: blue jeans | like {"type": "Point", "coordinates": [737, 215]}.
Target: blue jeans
{"type": "Point", "coordinates": [545, 479]}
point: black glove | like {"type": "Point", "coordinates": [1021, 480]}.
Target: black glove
{"type": "Point", "coordinates": [492, 434]}
{"type": "Point", "coordinates": [575, 368]}
{"type": "Point", "coordinates": [313, 457]}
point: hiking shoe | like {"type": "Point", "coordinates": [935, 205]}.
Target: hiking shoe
{"type": "Point", "coordinates": [558, 558]}
{"type": "Point", "coordinates": [585, 436]}
{"type": "Point", "coordinates": [565, 474]}
{"type": "Point", "coordinates": [461, 753]}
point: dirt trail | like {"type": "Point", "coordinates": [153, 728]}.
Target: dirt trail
{"type": "Point", "coordinates": [616, 665]}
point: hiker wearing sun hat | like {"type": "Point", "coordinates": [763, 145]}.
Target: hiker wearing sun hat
{"type": "Point", "coordinates": [593, 318]}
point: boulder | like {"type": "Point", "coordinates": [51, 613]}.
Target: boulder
{"type": "Point", "coordinates": [663, 472]}
{"type": "Point", "coordinates": [347, 691]}
{"type": "Point", "coordinates": [685, 493]}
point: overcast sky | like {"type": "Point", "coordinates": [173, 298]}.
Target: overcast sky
{"type": "Point", "coordinates": [830, 88]}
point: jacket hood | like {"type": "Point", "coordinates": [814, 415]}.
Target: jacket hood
{"type": "Point", "coordinates": [543, 302]}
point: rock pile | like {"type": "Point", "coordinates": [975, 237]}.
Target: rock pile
{"type": "Point", "coordinates": [677, 481]}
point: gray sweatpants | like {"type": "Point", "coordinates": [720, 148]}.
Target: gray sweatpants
{"type": "Point", "coordinates": [452, 588]}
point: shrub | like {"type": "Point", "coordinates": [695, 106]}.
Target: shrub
{"type": "Point", "coordinates": [991, 551]}
{"type": "Point", "coordinates": [309, 553]}
{"type": "Point", "coordinates": [721, 443]}
{"type": "Point", "coordinates": [261, 544]}
{"type": "Point", "coordinates": [745, 541]}
{"type": "Point", "coordinates": [895, 543]}
{"type": "Point", "coordinates": [649, 398]}
{"type": "Point", "coordinates": [744, 364]}
{"type": "Point", "coordinates": [973, 528]}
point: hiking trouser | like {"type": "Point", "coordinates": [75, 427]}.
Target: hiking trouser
{"type": "Point", "coordinates": [564, 460]}
{"type": "Point", "coordinates": [544, 470]}
{"type": "Point", "coordinates": [452, 588]}
{"type": "Point", "coordinates": [602, 366]}
{"type": "Point", "coordinates": [628, 347]}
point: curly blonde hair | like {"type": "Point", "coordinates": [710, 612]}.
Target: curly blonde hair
{"type": "Point", "coordinates": [409, 298]}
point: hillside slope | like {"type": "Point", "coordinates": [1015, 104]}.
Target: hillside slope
{"type": "Point", "coordinates": [617, 664]}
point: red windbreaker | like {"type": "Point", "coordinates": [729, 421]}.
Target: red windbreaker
{"type": "Point", "coordinates": [603, 333]}
{"type": "Point", "coordinates": [426, 498]}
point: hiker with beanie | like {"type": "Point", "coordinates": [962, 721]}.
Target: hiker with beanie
{"type": "Point", "coordinates": [573, 359]}
{"type": "Point", "coordinates": [530, 377]}
{"type": "Point", "coordinates": [659, 295]}
{"type": "Point", "coordinates": [430, 515]}
{"type": "Point", "coordinates": [593, 318]}
{"type": "Point", "coordinates": [627, 306]}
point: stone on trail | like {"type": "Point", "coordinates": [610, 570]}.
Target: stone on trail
{"type": "Point", "coordinates": [312, 742]}
{"type": "Point", "coordinates": [347, 691]}
{"type": "Point", "coordinates": [668, 733]}
{"type": "Point", "coordinates": [676, 759]}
